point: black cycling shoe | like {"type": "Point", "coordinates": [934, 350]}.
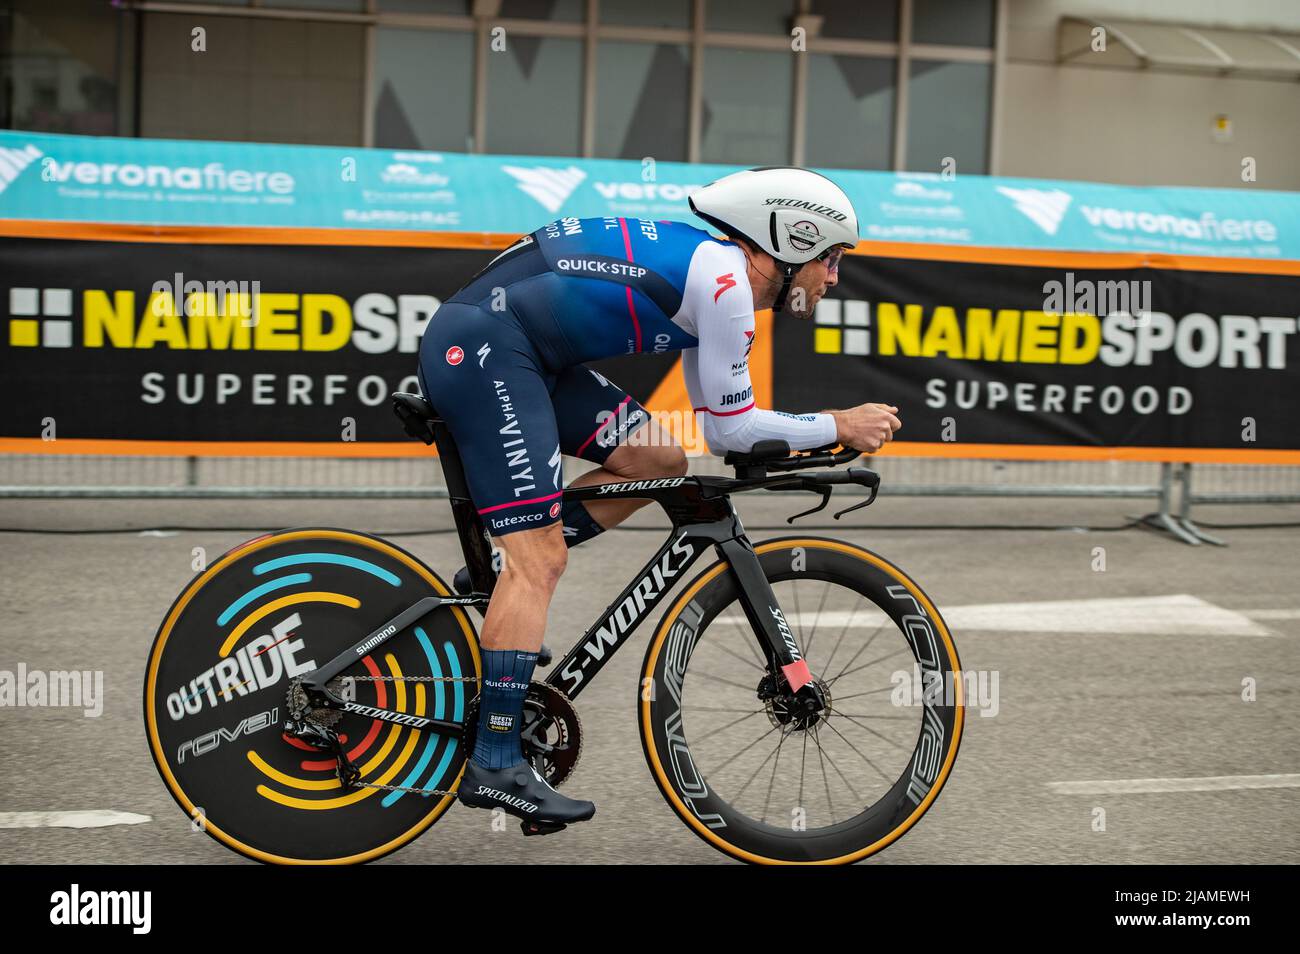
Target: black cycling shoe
{"type": "Point", "coordinates": [461, 584]}
{"type": "Point", "coordinates": [520, 791]}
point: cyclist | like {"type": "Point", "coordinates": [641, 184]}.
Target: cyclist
{"type": "Point", "coordinates": [502, 362]}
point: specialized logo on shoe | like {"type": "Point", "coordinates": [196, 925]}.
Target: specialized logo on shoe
{"type": "Point", "coordinates": [725, 281]}
{"type": "Point", "coordinates": [555, 510]}
{"type": "Point", "coordinates": [455, 355]}
{"type": "Point", "coordinates": [501, 796]}
{"type": "Point", "coordinates": [500, 723]}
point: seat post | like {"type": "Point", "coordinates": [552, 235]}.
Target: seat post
{"type": "Point", "coordinates": [473, 535]}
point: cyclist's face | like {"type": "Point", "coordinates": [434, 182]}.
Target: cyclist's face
{"type": "Point", "coordinates": [812, 281]}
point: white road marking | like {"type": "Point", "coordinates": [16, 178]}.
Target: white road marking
{"type": "Point", "coordinates": [1132, 786]}
{"type": "Point", "coordinates": [1183, 614]}
{"type": "Point", "coordinates": [1180, 614]}
{"type": "Point", "coordinates": [90, 819]}
{"type": "Point", "coordinates": [1274, 614]}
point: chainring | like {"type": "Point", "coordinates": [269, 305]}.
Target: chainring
{"type": "Point", "coordinates": [551, 734]}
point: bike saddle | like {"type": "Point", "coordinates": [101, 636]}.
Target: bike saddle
{"type": "Point", "coordinates": [518, 790]}
{"type": "Point", "coordinates": [416, 415]}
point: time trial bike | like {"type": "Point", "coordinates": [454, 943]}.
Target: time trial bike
{"type": "Point", "coordinates": [310, 697]}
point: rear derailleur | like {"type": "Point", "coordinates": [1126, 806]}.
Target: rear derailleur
{"type": "Point", "coordinates": [312, 720]}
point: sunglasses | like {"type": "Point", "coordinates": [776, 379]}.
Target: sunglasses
{"type": "Point", "coordinates": [831, 258]}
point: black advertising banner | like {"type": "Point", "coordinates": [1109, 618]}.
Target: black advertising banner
{"type": "Point", "coordinates": [157, 341]}
{"type": "Point", "coordinates": [1180, 364]}
{"type": "Point", "coordinates": [99, 340]}
{"type": "Point", "coordinates": [130, 341]}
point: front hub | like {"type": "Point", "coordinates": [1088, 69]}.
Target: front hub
{"type": "Point", "coordinates": [800, 710]}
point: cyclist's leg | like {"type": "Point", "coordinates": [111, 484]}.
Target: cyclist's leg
{"type": "Point", "coordinates": [485, 381]}
{"type": "Point", "coordinates": [600, 422]}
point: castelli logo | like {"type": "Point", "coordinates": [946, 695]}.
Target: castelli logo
{"type": "Point", "coordinates": [455, 354]}
{"type": "Point", "coordinates": [555, 510]}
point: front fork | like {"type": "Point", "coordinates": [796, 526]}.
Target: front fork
{"type": "Point", "coordinates": [784, 655]}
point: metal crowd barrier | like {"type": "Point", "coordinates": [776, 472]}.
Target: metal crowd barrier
{"type": "Point", "coordinates": [75, 476]}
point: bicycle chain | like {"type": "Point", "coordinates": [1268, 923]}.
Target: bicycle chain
{"type": "Point", "coordinates": [407, 788]}
{"type": "Point", "coordinates": [412, 678]}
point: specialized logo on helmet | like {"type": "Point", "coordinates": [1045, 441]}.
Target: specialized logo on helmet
{"type": "Point", "coordinates": [803, 235]}
{"type": "Point", "coordinates": [825, 210]}
{"type": "Point", "coordinates": [724, 281]}
{"type": "Point", "coordinates": [455, 355]}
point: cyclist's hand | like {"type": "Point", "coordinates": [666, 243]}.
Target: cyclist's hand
{"type": "Point", "coordinates": [867, 427]}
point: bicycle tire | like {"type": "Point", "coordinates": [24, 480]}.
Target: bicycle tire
{"type": "Point", "coordinates": [274, 802]}
{"type": "Point", "coordinates": [663, 726]}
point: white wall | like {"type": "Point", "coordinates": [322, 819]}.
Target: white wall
{"type": "Point", "coordinates": [1031, 24]}
{"type": "Point", "coordinates": [1144, 127]}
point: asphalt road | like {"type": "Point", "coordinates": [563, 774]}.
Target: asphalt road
{"type": "Point", "coordinates": [1102, 692]}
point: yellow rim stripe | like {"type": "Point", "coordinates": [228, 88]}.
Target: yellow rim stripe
{"type": "Point", "coordinates": [252, 619]}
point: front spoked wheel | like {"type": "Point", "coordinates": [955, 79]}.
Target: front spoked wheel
{"type": "Point", "coordinates": [746, 767]}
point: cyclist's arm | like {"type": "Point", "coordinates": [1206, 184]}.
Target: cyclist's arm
{"type": "Point", "coordinates": [717, 372]}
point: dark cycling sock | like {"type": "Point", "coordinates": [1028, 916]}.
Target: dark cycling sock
{"type": "Point", "coordinates": [579, 526]}
{"type": "Point", "coordinates": [506, 673]}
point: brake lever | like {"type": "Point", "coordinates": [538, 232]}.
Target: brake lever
{"type": "Point", "coordinates": [826, 498]}
{"type": "Point", "coordinates": [860, 504]}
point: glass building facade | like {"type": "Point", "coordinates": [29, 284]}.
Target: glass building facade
{"type": "Point", "coordinates": [863, 84]}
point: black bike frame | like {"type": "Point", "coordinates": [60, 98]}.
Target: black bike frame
{"type": "Point", "coordinates": [702, 516]}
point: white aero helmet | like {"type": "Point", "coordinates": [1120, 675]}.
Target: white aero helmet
{"type": "Point", "coordinates": [793, 214]}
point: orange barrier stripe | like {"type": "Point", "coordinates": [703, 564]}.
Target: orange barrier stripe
{"type": "Point", "coordinates": [34, 445]}
{"type": "Point", "coordinates": [1047, 258]}
{"type": "Point", "coordinates": [1191, 455]}
{"type": "Point", "coordinates": [269, 235]}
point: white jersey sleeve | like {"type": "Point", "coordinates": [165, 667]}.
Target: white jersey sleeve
{"type": "Point", "coordinates": [718, 309]}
